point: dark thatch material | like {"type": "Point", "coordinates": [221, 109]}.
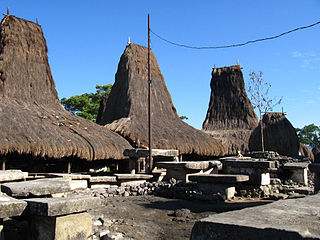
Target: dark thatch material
{"type": "Point", "coordinates": [32, 119]}
{"type": "Point", "coordinates": [230, 117]}
{"type": "Point", "coordinates": [127, 109]}
{"type": "Point", "coordinates": [279, 135]}
{"type": "Point", "coordinates": [316, 154]}
{"type": "Point", "coordinates": [306, 152]}
{"type": "Point", "coordinates": [102, 108]}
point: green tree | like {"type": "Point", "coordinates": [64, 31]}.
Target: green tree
{"type": "Point", "coordinates": [259, 96]}
{"type": "Point", "coordinates": [183, 117]}
{"type": "Point", "coordinates": [86, 105]}
{"type": "Point", "coordinates": [309, 135]}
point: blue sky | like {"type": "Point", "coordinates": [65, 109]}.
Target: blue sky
{"type": "Point", "coordinates": [86, 39]}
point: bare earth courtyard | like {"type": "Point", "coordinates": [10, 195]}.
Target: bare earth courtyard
{"type": "Point", "coordinates": [151, 217]}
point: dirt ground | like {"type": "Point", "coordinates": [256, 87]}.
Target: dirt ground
{"type": "Point", "coordinates": [150, 217]}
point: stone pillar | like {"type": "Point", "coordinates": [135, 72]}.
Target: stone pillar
{"type": "Point", "coordinates": [73, 226]}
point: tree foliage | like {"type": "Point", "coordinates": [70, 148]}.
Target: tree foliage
{"type": "Point", "coordinates": [86, 105]}
{"type": "Point", "coordinates": [309, 135]}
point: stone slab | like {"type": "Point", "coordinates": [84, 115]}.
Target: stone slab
{"type": "Point", "coordinates": [283, 219]}
{"type": "Point", "coordinates": [103, 179]}
{"type": "Point", "coordinates": [218, 178]}
{"type": "Point", "coordinates": [192, 165]}
{"type": "Point", "coordinates": [11, 207]}
{"type": "Point", "coordinates": [125, 176]}
{"type": "Point", "coordinates": [74, 226]}
{"type": "Point", "coordinates": [73, 176]}
{"type": "Point", "coordinates": [295, 165]}
{"type": "Point", "coordinates": [12, 175]}
{"type": "Point", "coordinates": [140, 152]}
{"type": "Point", "coordinates": [248, 163]}
{"type": "Point", "coordinates": [41, 187]}
{"type": "Point", "coordinates": [314, 167]}
{"type": "Point", "coordinates": [61, 206]}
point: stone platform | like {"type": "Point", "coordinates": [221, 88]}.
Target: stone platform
{"type": "Point", "coordinates": [284, 219]}
{"type": "Point", "coordinates": [41, 187]}
{"type": "Point", "coordinates": [182, 170]}
{"type": "Point", "coordinates": [12, 175]}
{"type": "Point", "coordinates": [257, 169]}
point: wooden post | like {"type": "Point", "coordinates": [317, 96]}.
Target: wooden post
{"type": "Point", "coordinates": [3, 164]}
{"type": "Point", "coordinates": [69, 167]}
{"type": "Point", "coordinates": [150, 101]}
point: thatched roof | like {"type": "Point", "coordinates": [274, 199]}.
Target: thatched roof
{"type": "Point", "coordinates": [316, 154]}
{"type": "Point", "coordinates": [32, 118]}
{"type": "Point", "coordinates": [127, 109]}
{"type": "Point", "coordinates": [279, 135]}
{"type": "Point", "coordinates": [230, 116]}
{"type": "Point", "coordinates": [306, 152]}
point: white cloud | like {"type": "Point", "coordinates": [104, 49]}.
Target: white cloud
{"type": "Point", "coordinates": [309, 60]}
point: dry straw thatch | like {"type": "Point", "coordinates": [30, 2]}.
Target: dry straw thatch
{"type": "Point", "coordinates": [127, 109]}
{"type": "Point", "coordinates": [279, 135]}
{"type": "Point", "coordinates": [305, 151]}
{"type": "Point", "coordinates": [230, 116]}
{"type": "Point", "coordinates": [32, 119]}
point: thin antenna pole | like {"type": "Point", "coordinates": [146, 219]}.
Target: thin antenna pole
{"type": "Point", "coordinates": [149, 101]}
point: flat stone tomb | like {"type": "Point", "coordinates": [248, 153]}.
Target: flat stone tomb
{"type": "Point", "coordinates": [182, 170]}
{"type": "Point", "coordinates": [40, 187]}
{"type": "Point", "coordinates": [315, 167]}
{"type": "Point", "coordinates": [257, 169]}
{"type": "Point", "coordinates": [132, 179]}
{"type": "Point", "coordinates": [299, 171]}
{"type": "Point", "coordinates": [102, 181]}
{"type": "Point", "coordinates": [77, 181]}
{"type": "Point", "coordinates": [218, 183]}
{"type": "Point", "coordinates": [12, 175]}
{"type": "Point", "coordinates": [284, 219]}
{"type": "Point", "coordinates": [9, 207]}
{"type": "Point", "coordinates": [138, 157]}
{"type": "Point", "coordinates": [61, 218]}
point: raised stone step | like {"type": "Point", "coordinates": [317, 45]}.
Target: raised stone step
{"type": "Point", "coordinates": [61, 206]}
{"type": "Point", "coordinates": [41, 187]}
{"type": "Point", "coordinates": [219, 178]}
{"type": "Point", "coordinates": [295, 165]}
{"type": "Point", "coordinates": [12, 175]}
{"type": "Point", "coordinates": [11, 207]}
{"type": "Point", "coordinates": [284, 219]}
{"type": "Point", "coordinates": [132, 179]}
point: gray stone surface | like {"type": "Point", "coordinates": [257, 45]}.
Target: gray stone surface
{"type": "Point", "coordinates": [295, 165]}
{"type": "Point", "coordinates": [284, 219]}
{"type": "Point", "coordinates": [61, 206]}
{"type": "Point", "coordinates": [70, 227]}
{"type": "Point", "coordinates": [133, 176]}
{"type": "Point", "coordinates": [66, 175]}
{"type": "Point", "coordinates": [103, 179]}
{"type": "Point", "coordinates": [248, 163]}
{"type": "Point", "coordinates": [192, 165]}
{"type": "Point", "coordinates": [218, 178]}
{"type": "Point", "coordinates": [41, 187]}
{"type": "Point", "coordinates": [12, 175]}
{"type": "Point", "coordinates": [139, 152]}
{"type": "Point", "coordinates": [11, 207]}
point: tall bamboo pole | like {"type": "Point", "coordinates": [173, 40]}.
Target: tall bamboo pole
{"type": "Point", "coordinates": [149, 101]}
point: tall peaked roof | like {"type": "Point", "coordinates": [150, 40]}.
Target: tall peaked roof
{"type": "Point", "coordinates": [229, 106]}
{"type": "Point", "coordinates": [230, 116]}
{"type": "Point", "coordinates": [32, 118]}
{"type": "Point", "coordinates": [127, 109]}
